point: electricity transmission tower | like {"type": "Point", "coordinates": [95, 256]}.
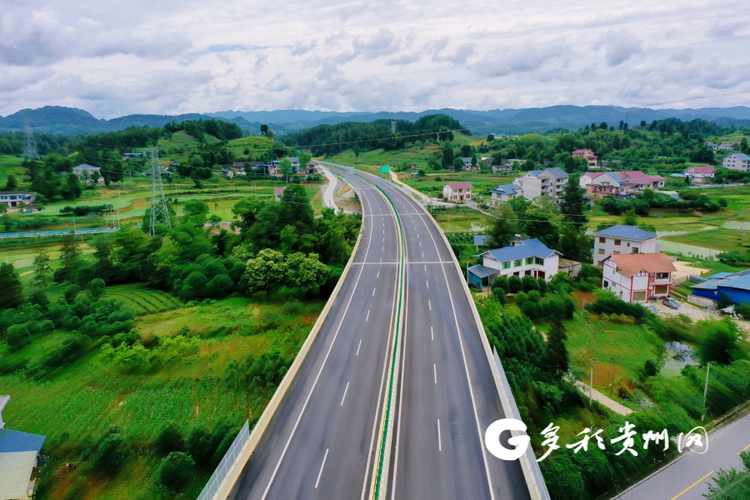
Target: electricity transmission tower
{"type": "Point", "coordinates": [159, 209]}
{"type": "Point", "coordinates": [31, 151]}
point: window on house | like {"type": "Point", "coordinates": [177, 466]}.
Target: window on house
{"type": "Point", "coordinates": [506, 265]}
{"type": "Point", "coordinates": [662, 276]}
{"type": "Point", "coordinates": [602, 240]}
{"type": "Point", "coordinates": [628, 245]}
{"type": "Point", "coordinates": [539, 262]}
{"type": "Point", "coordinates": [615, 253]}
{"type": "Point", "coordinates": [639, 296]}
{"type": "Point", "coordinates": [601, 251]}
{"type": "Point", "coordinates": [635, 249]}
{"type": "Point", "coordinates": [529, 261]}
{"type": "Point", "coordinates": [617, 243]}
{"type": "Point", "coordinates": [517, 263]}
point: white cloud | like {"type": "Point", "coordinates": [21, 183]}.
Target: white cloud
{"type": "Point", "coordinates": [619, 46]}
{"type": "Point", "coordinates": [114, 58]}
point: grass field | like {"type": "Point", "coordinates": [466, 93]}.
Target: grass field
{"type": "Point", "coordinates": [726, 240]}
{"type": "Point", "coordinates": [619, 352]}
{"type": "Point", "coordinates": [142, 300]}
{"type": "Point", "coordinates": [11, 165]}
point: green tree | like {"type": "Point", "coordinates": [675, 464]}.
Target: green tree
{"type": "Point", "coordinates": [42, 269]}
{"type": "Point", "coordinates": [176, 471]}
{"type": "Point", "coordinates": [111, 455]}
{"type": "Point", "coordinates": [264, 129]}
{"type": "Point", "coordinates": [11, 291]}
{"type": "Point", "coordinates": [195, 212]}
{"type": "Point", "coordinates": [11, 184]}
{"type": "Point", "coordinates": [557, 355]}
{"type": "Point", "coordinates": [17, 336]}
{"type": "Point", "coordinates": [169, 439]}
{"type": "Point", "coordinates": [731, 484]}
{"type": "Point", "coordinates": [503, 229]}
{"type": "Point", "coordinates": [718, 341]}
{"type": "Point", "coordinates": [286, 167]}
{"type": "Point", "coordinates": [447, 155]}
{"type": "Point", "coordinates": [96, 289]}
{"type": "Point", "coordinates": [573, 202]}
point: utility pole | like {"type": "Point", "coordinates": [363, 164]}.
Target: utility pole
{"type": "Point", "coordinates": [705, 390]}
{"type": "Point", "coordinates": [30, 150]}
{"type": "Point", "coordinates": [159, 209]}
{"type": "Point", "coordinates": [591, 385]}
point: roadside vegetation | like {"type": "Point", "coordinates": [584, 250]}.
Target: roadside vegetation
{"type": "Point", "coordinates": [140, 357]}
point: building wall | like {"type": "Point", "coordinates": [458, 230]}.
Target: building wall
{"type": "Point", "coordinates": [604, 250]}
{"type": "Point", "coordinates": [549, 268]}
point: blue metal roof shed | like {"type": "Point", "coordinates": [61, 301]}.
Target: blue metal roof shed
{"type": "Point", "coordinates": [736, 286]}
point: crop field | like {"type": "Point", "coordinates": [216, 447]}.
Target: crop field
{"type": "Point", "coordinates": [142, 300]}
{"type": "Point", "coordinates": [94, 394]}
{"type": "Point", "coordinates": [10, 165]}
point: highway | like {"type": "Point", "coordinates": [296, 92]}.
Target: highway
{"type": "Point", "coordinates": [688, 476]}
{"type": "Point", "coordinates": [322, 442]}
{"type": "Point", "coordinates": [447, 397]}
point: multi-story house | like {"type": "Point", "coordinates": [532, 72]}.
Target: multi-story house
{"type": "Point", "coordinates": [712, 145]}
{"type": "Point", "coordinates": [627, 184]}
{"type": "Point", "coordinates": [548, 182]}
{"type": "Point", "coordinates": [737, 161]}
{"type": "Point", "coordinates": [85, 167]}
{"type": "Point", "coordinates": [523, 258]}
{"type": "Point", "coordinates": [618, 240]}
{"type": "Point", "coordinates": [700, 173]}
{"type": "Point", "coordinates": [15, 198]}
{"type": "Point", "coordinates": [726, 147]}
{"type": "Point", "coordinates": [638, 277]}
{"type": "Point", "coordinates": [591, 158]}
{"type": "Point", "coordinates": [457, 191]}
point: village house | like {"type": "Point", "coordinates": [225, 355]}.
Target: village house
{"type": "Point", "coordinates": [15, 198]}
{"type": "Point", "coordinates": [734, 286]}
{"type": "Point", "coordinates": [503, 167]}
{"type": "Point", "coordinates": [85, 167]}
{"type": "Point", "coordinates": [522, 258]}
{"type": "Point", "coordinates": [699, 174]}
{"type": "Point", "coordinates": [638, 277]}
{"type": "Point", "coordinates": [294, 160]}
{"type": "Point", "coordinates": [726, 147]}
{"type": "Point", "coordinates": [589, 155]}
{"type": "Point", "coordinates": [548, 182]}
{"type": "Point", "coordinates": [737, 161]}
{"type": "Point", "coordinates": [712, 145]}
{"type": "Point", "coordinates": [623, 184]}
{"type": "Point", "coordinates": [619, 239]}
{"type": "Point", "coordinates": [504, 192]}
{"type": "Point", "coordinates": [278, 193]}
{"type": "Point", "coordinates": [18, 459]}
{"type": "Point", "coordinates": [457, 191]}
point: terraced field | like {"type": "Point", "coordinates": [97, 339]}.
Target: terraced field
{"type": "Point", "coordinates": [142, 300]}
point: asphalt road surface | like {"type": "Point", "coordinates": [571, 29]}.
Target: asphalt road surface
{"type": "Point", "coordinates": [322, 441]}
{"type": "Point", "coordinates": [448, 397]}
{"type": "Point", "coordinates": [687, 478]}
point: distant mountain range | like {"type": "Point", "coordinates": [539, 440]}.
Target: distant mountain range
{"type": "Point", "coordinates": [72, 121]}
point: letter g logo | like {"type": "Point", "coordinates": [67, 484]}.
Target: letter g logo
{"type": "Point", "coordinates": [492, 439]}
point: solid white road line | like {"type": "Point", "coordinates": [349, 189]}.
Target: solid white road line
{"type": "Point", "coordinates": [440, 441]}
{"type": "Point", "coordinates": [434, 371]}
{"type": "Point", "coordinates": [343, 398]}
{"type": "Point", "coordinates": [358, 346]}
{"type": "Point", "coordinates": [368, 315]}
{"type": "Point", "coordinates": [321, 469]}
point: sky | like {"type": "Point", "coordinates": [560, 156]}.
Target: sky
{"type": "Point", "coordinates": [114, 58]}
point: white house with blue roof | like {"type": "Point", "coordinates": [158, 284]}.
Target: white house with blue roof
{"type": "Point", "coordinates": [18, 455]}
{"type": "Point", "coordinates": [523, 258]}
{"type": "Point", "coordinates": [548, 182]}
{"type": "Point", "coordinates": [504, 192]}
{"type": "Point", "coordinates": [619, 239]}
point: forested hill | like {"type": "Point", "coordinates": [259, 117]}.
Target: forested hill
{"type": "Point", "coordinates": [71, 121]}
{"type": "Point", "coordinates": [332, 139]}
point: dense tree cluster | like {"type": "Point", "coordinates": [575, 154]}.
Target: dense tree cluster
{"type": "Point", "coordinates": [332, 139]}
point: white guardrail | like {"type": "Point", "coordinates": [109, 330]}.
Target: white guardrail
{"type": "Point", "coordinates": [227, 463]}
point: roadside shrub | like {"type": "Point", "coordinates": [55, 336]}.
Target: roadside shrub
{"type": "Point", "coordinates": [176, 471]}
{"type": "Point", "coordinates": [17, 336]}
{"type": "Point", "coordinates": [198, 445]}
{"type": "Point", "coordinates": [169, 439]}
{"type": "Point", "coordinates": [501, 282]}
{"type": "Point", "coordinates": [70, 293]}
{"type": "Point", "coordinates": [220, 286]}
{"type": "Point", "coordinates": [515, 284]}
{"type": "Point", "coordinates": [520, 299]}
{"type": "Point", "coordinates": [529, 283]}
{"type": "Point", "coordinates": [718, 341]}
{"type": "Point", "coordinates": [111, 455]}
{"type": "Point", "coordinates": [607, 303]}
{"type": "Point", "coordinates": [499, 294]}
{"type": "Point", "coordinates": [96, 288]}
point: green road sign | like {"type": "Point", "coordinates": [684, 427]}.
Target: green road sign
{"type": "Point", "coordinates": [385, 170]}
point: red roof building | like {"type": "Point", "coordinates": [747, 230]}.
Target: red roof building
{"type": "Point", "coordinates": [457, 191]}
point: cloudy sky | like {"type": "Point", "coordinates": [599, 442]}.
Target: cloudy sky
{"type": "Point", "coordinates": [113, 58]}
